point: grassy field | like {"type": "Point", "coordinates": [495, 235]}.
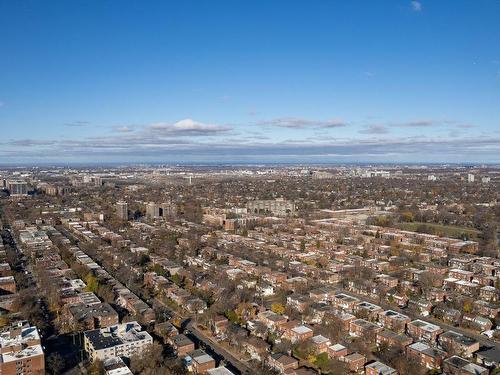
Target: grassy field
{"type": "Point", "coordinates": [441, 230]}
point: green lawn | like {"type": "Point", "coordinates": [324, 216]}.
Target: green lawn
{"type": "Point", "coordinates": [442, 230]}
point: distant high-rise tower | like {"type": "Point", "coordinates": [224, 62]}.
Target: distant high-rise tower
{"type": "Point", "coordinates": [152, 210]}
{"type": "Point", "coordinates": [17, 188]}
{"type": "Point", "coordinates": [470, 177]}
{"type": "Point", "coordinates": [122, 210]}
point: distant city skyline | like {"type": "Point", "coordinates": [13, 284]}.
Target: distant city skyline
{"type": "Point", "coordinates": [238, 81]}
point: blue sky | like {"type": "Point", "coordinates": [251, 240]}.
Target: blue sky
{"type": "Point", "coordinates": [287, 81]}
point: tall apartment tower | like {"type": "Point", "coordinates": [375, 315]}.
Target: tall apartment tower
{"type": "Point", "coordinates": [470, 177]}
{"type": "Point", "coordinates": [122, 210]}
{"type": "Point", "coordinates": [17, 188]}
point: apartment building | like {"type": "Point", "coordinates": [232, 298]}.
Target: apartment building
{"type": "Point", "coordinates": [121, 340]}
{"type": "Point", "coordinates": [20, 350]}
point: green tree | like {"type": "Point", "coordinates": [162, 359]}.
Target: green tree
{"type": "Point", "coordinates": [278, 308]}
{"type": "Point", "coordinates": [92, 283]}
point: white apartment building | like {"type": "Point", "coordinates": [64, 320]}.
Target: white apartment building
{"type": "Point", "coordinates": [121, 340]}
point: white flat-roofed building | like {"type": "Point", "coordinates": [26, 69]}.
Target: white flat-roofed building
{"type": "Point", "coordinates": [116, 366]}
{"type": "Point", "coordinates": [379, 368]}
{"type": "Point", "coordinates": [20, 350]}
{"type": "Point", "coordinates": [121, 340]}
{"type": "Point", "coordinates": [221, 370]}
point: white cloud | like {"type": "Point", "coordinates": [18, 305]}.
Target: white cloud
{"type": "Point", "coordinates": [299, 123]}
{"type": "Point", "coordinates": [123, 129]}
{"type": "Point", "coordinates": [141, 147]}
{"type": "Point", "coordinates": [374, 129]}
{"type": "Point", "coordinates": [416, 5]}
{"type": "Point", "coordinates": [187, 127]}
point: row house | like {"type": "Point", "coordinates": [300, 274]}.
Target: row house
{"type": "Point", "coordinates": [182, 345]}
{"type": "Point", "coordinates": [484, 265]}
{"type": "Point", "coordinates": [393, 320]}
{"type": "Point", "coordinates": [435, 295]}
{"type": "Point", "coordinates": [345, 302]}
{"type": "Point", "coordinates": [298, 302]}
{"type": "Point", "coordinates": [436, 269]}
{"type": "Point", "coordinates": [320, 294]}
{"type": "Point", "coordinates": [425, 257]}
{"type": "Point", "coordinates": [256, 348]}
{"type": "Point", "coordinates": [355, 361]}
{"type": "Point", "coordinates": [460, 274]}
{"type": "Point", "coordinates": [155, 281]}
{"type": "Point", "coordinates": [448, 314]}
{"type": "Point", "coordinates": [467, 288]}
{"type": "Point", "coordinates": [486, 309]}
{"type": "Point", "coordinates": [489, 293]}
{"type": "Point", "coordinates": [367, 310]}
{"type": "Point", "coordinates": [485, 280]}
{"type": "Point", "coordinates": [271, 320]}
{"type": "Point", "coordinates": [199, 362]}
{"type": "Point", "coordinates": [422, 306]}
{"type": "Point", "coordinates": [438, 253]}
{"type": "Point", "coordinates": [413, 274]}
{"type": "Point", "coordinates": [294, 283]}
{"type": "Point", "coordinates": [367, 288]}
{"type": "Point", "coordinates": [388, 281]}
{"type": "Point", "coordinates": [460, 366]}
{"type": "Point", "coordinates": [398, 298]}
{"type": "Point", "coordinates": [317, 313]}
{"type": "Point", "coordinates": [489, 357]}
{"type": "Point", "coordinates": [379, 368]}
{"type": "Point", "coordinates": [320, 344]}
{"type": "Point", "coordinates": [365, 329]}
{"type": "Point", "coordinates": [337, 351]}
{"type": "Point", "coordinates": [195, 305]}
{"type": "Point", "coordinates": [89, 317]}
{"type": "Point", "coordinates": [478, 322]}
{"type": "Point", "coordinates": [458, 344]}
{"type": "Point", "coordinates": [423, 331]}
{"type": "Point", "coordinates": [429, 357]}
{"type": "Point", "coordinates": [179, 296]}
{"type": "Point", "coordinates": [391, 338]}
{"type": "Point", "coordinates": [263, 290]}
{"type": "Point", "coordinates": [282, 363]}
{"type": "Point", "coordinates": [344, 319]}
{"type": "Point", "coordinates": [219, 324]}
{"type": "Point", "coordinates": [329, 277]}
{"type": "Point", "coordinates": [166, 330]}
{"type": "Point", "coordinates": [275, 278]}
{"type": "Point", "coordinates": [298, 333]}
{"type": "Point", "coordinates": [409, 287]}
{"type": "Point", "coordinates": [470, 247]}
{"type": "Point", "coordinates": [375, 264]}
{"type": "Point", "coordinates": [461, 263]}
